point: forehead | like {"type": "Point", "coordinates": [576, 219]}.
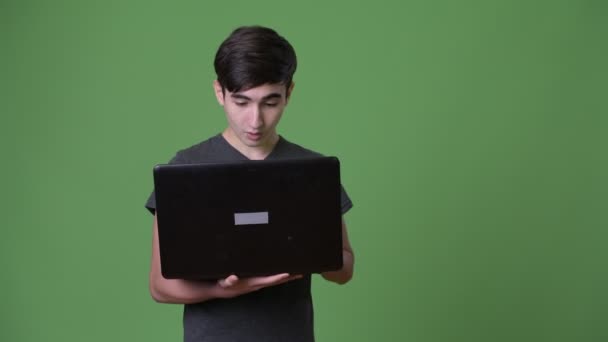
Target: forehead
{"type": "Point", "coordinates": [262, 91]}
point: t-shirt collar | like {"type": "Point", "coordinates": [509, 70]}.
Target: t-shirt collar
{"type": "Point", "coordinates": [272, 155]}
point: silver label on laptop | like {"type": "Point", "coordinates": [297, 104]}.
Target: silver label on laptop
{"type": "Point", "coordinates": [251, 218]}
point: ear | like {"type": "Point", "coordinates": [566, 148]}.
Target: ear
{"type": "Point", "coordinates": [219, 94]}
{"type": "Point", "coordinates": [289, 90]}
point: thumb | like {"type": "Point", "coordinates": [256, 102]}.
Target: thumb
{"type": "Point", "coordinates": [229, 281]}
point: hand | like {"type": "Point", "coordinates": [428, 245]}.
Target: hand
{"type": "Point", "coordinates": [232, 286]}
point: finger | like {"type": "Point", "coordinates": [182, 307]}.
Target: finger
{"type": "Point", "coordinates": [264, 281]}
{"type": "Point", "coordinates": [275, 280]}
{"type": "Point", "coordinates": [232, 280]}
{"type": "Point", "coordinates": [290, 278]}
{"type": "Point", "coordinates": [229, 281]}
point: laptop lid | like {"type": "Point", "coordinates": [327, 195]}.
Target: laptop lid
{"type": "Point", "coordinates": [249, 218]}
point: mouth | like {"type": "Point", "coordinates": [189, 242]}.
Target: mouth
{"type": "Point", "coordinates": [254, 136]}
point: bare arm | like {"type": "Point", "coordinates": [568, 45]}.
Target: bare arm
{"type": "Point", "coordinates": [179, 291]}
{"type": "Point", "coordinates": [345, 274]}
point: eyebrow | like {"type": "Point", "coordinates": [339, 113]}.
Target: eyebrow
{"type": "Point", "coordinates": [265, 98]}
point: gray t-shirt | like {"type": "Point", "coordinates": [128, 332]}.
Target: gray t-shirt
{"type": "Point", "coordinates": [278, 313]}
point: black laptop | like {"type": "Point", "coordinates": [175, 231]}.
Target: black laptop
{"type": "Point", "coordinates": [249, 218]}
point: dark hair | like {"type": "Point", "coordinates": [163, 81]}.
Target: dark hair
{"type": "Point", "coordinates": [252, 56]}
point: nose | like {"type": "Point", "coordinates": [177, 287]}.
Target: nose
{"type": "Point", "coordinates": [256, 117]}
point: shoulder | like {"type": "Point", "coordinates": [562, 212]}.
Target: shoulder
{"type": "Point", "coordinates": [201, 152]}
{"type": "Point", "coordinates": [289, 149]}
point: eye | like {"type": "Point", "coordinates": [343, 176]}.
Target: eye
{"type": "Point", "coordinates": [271, 104]}
{"type": "Point", "coordinates": [240, 103]}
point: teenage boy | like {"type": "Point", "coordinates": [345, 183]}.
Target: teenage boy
{"type": "Point", "coordinates": [254, 68]}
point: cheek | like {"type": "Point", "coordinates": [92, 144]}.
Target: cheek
{"type": "Point", "coordinates": [233, 116]}
{"type": "Point", "coordinates": [277, 117]}
{"type": "Point", "coordinates": [236, 121]}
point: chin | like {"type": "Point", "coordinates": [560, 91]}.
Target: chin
{"type": "Point", "coordinates": [254, 143]}
{"type": "Point", "coordinates": [250, 143]}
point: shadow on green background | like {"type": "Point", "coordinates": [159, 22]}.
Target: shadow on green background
{"type": "Point", "coordinates": [472, 137]}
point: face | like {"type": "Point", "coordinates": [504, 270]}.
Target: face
{"type": "Point", "coordinates": [253, 114]}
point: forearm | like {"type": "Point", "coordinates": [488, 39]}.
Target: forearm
{"type": "Point", "coordinates": [179, 291]}
{"type": "Point", "coordinates": [176, 291]}
{"type": "Point", "coordinates": [343, 275]}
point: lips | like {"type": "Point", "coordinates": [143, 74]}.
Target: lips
{"type": "Point", "coordinates": [254, 136]}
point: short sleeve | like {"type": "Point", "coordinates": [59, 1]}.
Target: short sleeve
{"type": "Point", "coordinates": [345, 202]}
{"type": "Point", "coordinates": [151, 202]}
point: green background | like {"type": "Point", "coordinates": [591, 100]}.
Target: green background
{"type": "Point", "coordinates": [472, 134]}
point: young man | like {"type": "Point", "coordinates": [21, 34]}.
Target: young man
{"type": "Point", "coordinates": [254, 67]}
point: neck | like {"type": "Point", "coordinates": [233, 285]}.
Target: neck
{"type": "Point", "coordinates": [251, 152]}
